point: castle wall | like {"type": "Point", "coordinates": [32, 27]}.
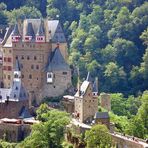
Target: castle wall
{"type": "Point", "coordinates": [60, 83]}
{"type": "Point", "coordinates": [125, 142]}
{"type": "Point", "coordinates": [14, 132]}
{"type": "Point", "coordinates": [7, 66]}
{"type": "Point", "coordinates": [105, 101]}
{"type": "Point", "coordinates": [11, 109]}
{"type": "Point", "coordinates": [33, 59]}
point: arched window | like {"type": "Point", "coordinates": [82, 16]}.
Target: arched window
{"type": "Point", "coordinates": [49, 75]}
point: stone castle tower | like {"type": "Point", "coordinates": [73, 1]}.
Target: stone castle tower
{"type": "Point", "coordinates": [37, 45]}
{"type": "Point", "coordinates": [86, 101]}
{"type": "Point", "coordinates": [105, 101]}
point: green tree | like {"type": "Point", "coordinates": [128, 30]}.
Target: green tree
{"type": "Point", "coordinates": [98, 137]}
{"type": "Point", "coordinates": [144, 37]}
{"type": "Point", "coordinates": [143, 110]}
{"type": "Point", "coordinates": [136, 128]}
{"type": "Point", "coordinates": [50, 132]}
{"type": "Point", "coordinates": [22, 13]}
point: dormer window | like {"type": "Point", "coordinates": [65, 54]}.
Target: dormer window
{"type": "Point", "coordinates": [28, 38]}
{"type": "Point", "coordinates": [40, 39]}
{"type": "Point", "coordinates": [50, 77]}
{"type": "Point", "coordinates": [16, 76]}
{"type": "Point", "coordinates": [15, 39]}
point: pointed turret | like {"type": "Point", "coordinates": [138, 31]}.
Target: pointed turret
{"type": "Point", "coordinates": [95, 87]}
{"type": "Point", "coordinates": [15, 31]}
{"type": "Point", "coordinates": [40, 35]}
{"type": "Point", "coordinates": [15, 34]}
{"type": "Point", "coordinates": [40, 31]}
{"type": "Point", "coordinates": [17, 71]}
{"type": "Point", "coordinates": [89, 78]}
{"type": "Point", "coordinates": [29, 33]}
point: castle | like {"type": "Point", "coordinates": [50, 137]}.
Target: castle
{"type": "Point", "coordinates": [41, 49]}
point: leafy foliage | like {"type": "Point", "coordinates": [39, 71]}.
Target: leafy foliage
{"type": "Point", "coordinates": [98, 137]}
{"type": "Point", "coordinates": [50, 131]}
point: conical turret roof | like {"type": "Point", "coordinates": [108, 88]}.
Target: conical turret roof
{"type": "Point", "coordinates": [56, 61]}
{"type": "Point", "coordinates": [40, 31]}
{"type": "Point", "coordinates": [15, 31]}
{"type": "Point", "coordinates": [95, 86]}
{"type": "Point", "coordinates": [30, 31]}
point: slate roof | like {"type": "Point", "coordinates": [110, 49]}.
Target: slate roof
{"type": "Point", "coordinates": [56, 62]}
{"type": "Point", "coordinates": [101, 115]}
{"type": "Point", "coordinates": [18, 92]}
{"type": "Point", "coordinates": [57, 34]}
{"type": "Point", "coordinates": [17, 65]}
{"type": "Point", "coordinates": [24, 113]}
{"type": "Point", "coordinates": [95, 86]}
{"type": "Point", "coordinates": [30, 31]}
{"type": "Point", "coordinates": [15, 31]}
{"type": "Point", "coordinates": [35, 26]}
{"type": "Point", "coordinates": [40, 31]}
{"type": "Point", "coordinates": [83, 88]}
{"type": "Point", "coordinates": [52, 26]}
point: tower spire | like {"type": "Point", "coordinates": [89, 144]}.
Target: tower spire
{"type": "Point", "coordinates": [17, 71]}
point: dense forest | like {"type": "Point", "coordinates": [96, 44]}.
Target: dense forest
{"type": "Point", "coordinates": [108, 38]}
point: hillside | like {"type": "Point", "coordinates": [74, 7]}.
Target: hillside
{"type": "Point", "coordinates": [107, 38]}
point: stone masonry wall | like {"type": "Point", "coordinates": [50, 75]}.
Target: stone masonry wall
{"type": "Point", "coordinates": [11, 109]}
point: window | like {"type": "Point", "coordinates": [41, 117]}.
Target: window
{"type": "Point", "coordinates": [30, 76]}
{"type": "Point", "coordinates": [21, 66]}
{"type": "Point", "coordinates": [35, 58]}
{"type": "Point", "coordinates": [9, 68]}
{"type": "Point", "coordinates": [5, 59]}
{"type": "Point", "coordinates": [28, 57]}
{"type": "Point", "coordinates": [9, 77]}
{"type": "Point", "coordinates": [22, 57]}
{"type": "Point", "coordinates": [10, 51]}
{"type": "Point", "coordinates": [14, 95]}
{"type": "Point", "coordinates": [16, 88]}
{"type": "Point", "coordinates": [16, 57]}
{"type": "Point", "coordinates": [37, 66]}
{"type": "Point", "coordinates": [22, 76]}
{"type": "Point", "coordinates": [32, 66]}
{"type": "Point", "coordinates": [16, 76]}
{"type": "Point", "coordinates": [9, 59]}
{"type": "Point", "coordinates": [49, 75]}
{"type": "Point", "coordinates": [27, 38]}
{"type": "Point", "coordinates": [64, 73]}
